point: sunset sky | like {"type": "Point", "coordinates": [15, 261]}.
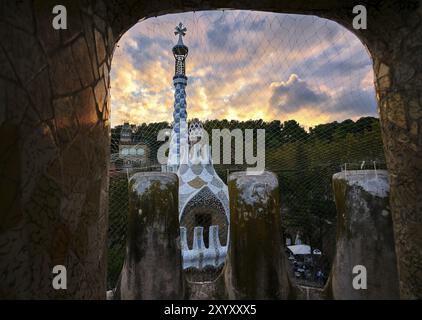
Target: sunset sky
{"type": "Point", "coordinates": [243, 65]}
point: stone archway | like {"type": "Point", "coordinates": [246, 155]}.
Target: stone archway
{"type": "Point", "coordinates": [54, 131]}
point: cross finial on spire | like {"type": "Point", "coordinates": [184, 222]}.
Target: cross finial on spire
{"type": "Point", "coordinates": [180, 51]}
{"type": "Point", "coordinates": [181, 30]}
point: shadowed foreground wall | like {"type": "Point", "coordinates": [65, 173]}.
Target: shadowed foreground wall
{"type": "Point", "coordinates": [54, 131]}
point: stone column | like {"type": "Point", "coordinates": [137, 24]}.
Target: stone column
{"type": "Point", "coordinates": [364, 236]}
{"type": "Point", "coordinates": [255, 267]}
{"type": "Point", "coordinates": [153, 264]}
{"type": "Point", "coordinates": [399, 86]}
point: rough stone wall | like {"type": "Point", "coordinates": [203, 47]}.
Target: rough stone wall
{"type": "Point", "coordinates": [54, 130]}
{"type": "Point", "coordinates": [398, 67]}
{"type": "Point", "coordinates": [54, 149]}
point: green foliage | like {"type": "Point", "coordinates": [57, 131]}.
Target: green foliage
{"type": "Point", "coordinates": [118, 212]}
{"type": "Point", "coordinates": [305, 167]}
{"type": "Point", "coordinates": [304, 162]}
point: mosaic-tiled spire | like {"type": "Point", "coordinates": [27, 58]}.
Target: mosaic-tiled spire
{"type": "Point", "coordinates": [179, 135]}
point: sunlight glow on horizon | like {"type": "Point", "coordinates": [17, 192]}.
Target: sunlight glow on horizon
{"type": "Point", "coordinates": [260, 66]}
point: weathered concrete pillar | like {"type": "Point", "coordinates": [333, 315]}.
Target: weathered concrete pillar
{"type": "Point", "coordinates": [153, 264]}
{"type": "Point", "coordinates": [364, 236]}
{"type": "Point", "coordinates": [255, 267]}
{"type": "Point", "coordinates": [212, 290]}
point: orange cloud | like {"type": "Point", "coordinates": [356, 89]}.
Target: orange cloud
{"type": "Point", "coordinates": [236, 60]}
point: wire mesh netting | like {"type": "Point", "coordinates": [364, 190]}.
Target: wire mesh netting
{"type": "Point", "coordinates": [305, 80]}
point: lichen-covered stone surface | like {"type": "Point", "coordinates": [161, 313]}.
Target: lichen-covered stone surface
{"type": "Point", "coordinates": [255, 265]}
{"type": "Point", "coordinates": [364, 236]}
{"type": "Point", "coordinates": [153, 263]}
{"type": "Point", "coordinates": [54, 130]}
{"type": "Point", "coordinates": [210, 290]}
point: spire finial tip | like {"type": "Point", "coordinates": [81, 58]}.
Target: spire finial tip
{"type": "Point", "coordinates": [180, 30]}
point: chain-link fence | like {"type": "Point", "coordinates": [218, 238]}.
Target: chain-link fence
{"type": "Point", "coordinates": [304, 168]}
{"type": "Point", "coordinates": [118, 213]}
{"type": "Point", "coordinates": [249, 66]}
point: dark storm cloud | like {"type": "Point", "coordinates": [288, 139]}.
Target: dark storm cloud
{"type": "Point", "coordinates": [294, 94]}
